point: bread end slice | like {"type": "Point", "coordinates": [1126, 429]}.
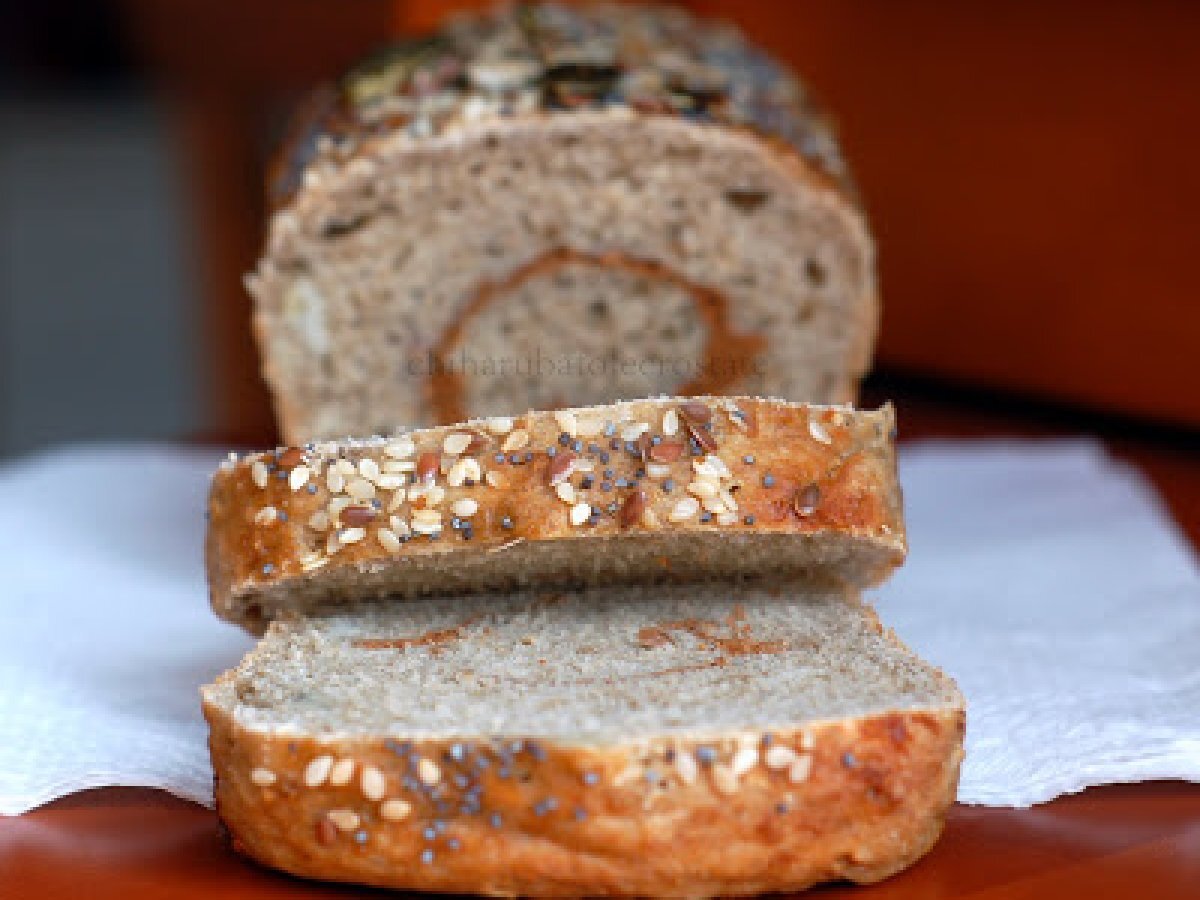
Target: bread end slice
{"type": "Point", "coordinates": [681, 741]}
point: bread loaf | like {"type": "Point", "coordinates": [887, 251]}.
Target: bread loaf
{"type": "Point", "coordinates": [638, 491]}
{"type": "Point", "coordinates": [556, 206]}
{"type": "Point", "coordinates": [673, 741]}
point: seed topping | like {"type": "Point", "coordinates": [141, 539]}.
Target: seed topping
{"type": "Point", "coordinates": [807, 499]}
{"type": "Point", "coordinates": [342, 772]}
{"type": "Point", "coordinates": [317, 771]}
{"type": "Point", "coordinates": [394, 810]}
{"type": "Point", "coordinates": [633, 509]}
{"type": "Point", "coordinates": [372, 783]}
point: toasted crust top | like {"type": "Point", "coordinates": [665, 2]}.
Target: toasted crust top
{"type": "Point", "coordinates": [456, 494]}
{"type": "Point", "coordinates": [551, 60]}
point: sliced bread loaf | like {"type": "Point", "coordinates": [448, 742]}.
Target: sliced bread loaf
{"type": "Point", "coordinates": [636, 491]}
{"type": "Point", "coordinates": [550, 206]}
{"type": "Point", "coordinates": [679, 740]}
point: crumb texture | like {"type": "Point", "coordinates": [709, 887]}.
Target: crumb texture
{"type": "Point", "coordinates": [589, 744]}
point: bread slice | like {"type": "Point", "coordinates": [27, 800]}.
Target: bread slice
{"type": "Point", "coordinates": [552, 206]}
{"type": "Point", "coordinates": [680, 741]}
{"type": "Point", "coordinates": [636, 491]}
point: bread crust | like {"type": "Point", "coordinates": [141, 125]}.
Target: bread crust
{"type": "Point", "coordinates": [872, 800]}
{"type": "Point", "coordinates": [814, 487]}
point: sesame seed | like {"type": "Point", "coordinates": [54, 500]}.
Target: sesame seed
{"type": "Point", "coordinates": [372, 783]}
{"type": "Point", "coordinates": [591, 778]}
{"type": "Point", "coordinates": [464, 508]}
{"type": "Point", "coordinates": [849, 761]}
{"type": "Point", "coordinates": [818, 432]}
{"type": "Point", "coordinates": [744, 760]}
{"type": "Point", "coordinates": [496, 820]}
{"type": "Point", "coordinates": [499, 458]}
{"type": "Point", "coordinates": [426, 521]}
{"type": "Point", "coordinates": [311, 488]}
{"type": "Point", "coordinates": [580, 814]}
{"type": "Point", "coordinates": [368, 469]}
{"type": "Point", "coordinates": [455, 443]}
{"type": "Point", "coordinates": [768, 480]}
{"type": "Point", "coordinates": [262, 777]}
{"type": "Point", "coordinates": [670, 422]}
{"type": "Point", "coordinates": [685, 767]}
{"type": "Point", "coordinates": [317, 771]}
{"type": "Point", "coordinates": [342, 772]}
{"type": "Point", "coordinates": [360, 837]}
{"type": "Point", "coordinates": [352, 535]}
{"type": "Point", "coordinates": [268, 568]}
{"type": "Point", "coordinates": [454, 843]}
{"type": "Point", "coordinates": [684, 509]}
{"type": "Point", "coordinates": [360, 489]}
{"type": "Point", "coordinates": [606, 485]}
{"type": "Point", "coordinates": [388, 540]}
{"type": "Point", "coordinates": [506, 523]}
{"type": "Point", "coordinates": [668, 485]}
{"type": "Point", "coordinates": [430, 833]}
{"type": "Point", "coordinates": [604, 457]}
{"type": "Point", "coordinates": [427, 857]}
{"type": "Point", "coordinates": [567, 422]}
{"type": "Point", "coordinates": [580, 513]}
{"type": "Point", "coordinates": [780, 756]}
{"type": "Point", "coordinates": [748, 459]}
{"type": "Point", "coordinates": [401, 448]}
{"type": "Point", "coordinates": [749, 520]}
{"type": "Point", "coordinates": [515, 459]}
{"type": "Point", "coordinates": [429, 772]}
{"type": "Point", "coordinates": [545, 806]}
{"type": "Point", "coordinates": [457, 752]}
{"type": "Point", "coordinates": [706, 517]}
{"type": "Point", "coordinates": [281, 474]}
{"type": "Point", "coordinates": [343, 819]}
{"type": "Point", "coordinates": [782, 807]}
{"type": "Point", "coordinates": [706, 755]}
{"type": "Point", "coordinates": [258, 473]}
{"type": "Point", "coordinates": [609, 429]}
{"type": "Point", "coordinates": [516, 440]}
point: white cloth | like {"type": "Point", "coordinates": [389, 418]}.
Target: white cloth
{"type": "Point", "coordinates": [1044, 576]}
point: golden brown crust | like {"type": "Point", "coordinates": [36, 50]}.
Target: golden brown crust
{"type": "Point", "coordinates": [858, 800]}
{"type": "Point", "coordinates": [815, 484]}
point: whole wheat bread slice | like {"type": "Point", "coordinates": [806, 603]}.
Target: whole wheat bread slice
{"type": "Point", "coordinates": [557, 207]}
{"type": "Point", "coordinates": [640, 491]}
{"type": "Point", "coordinates": [680, 740]}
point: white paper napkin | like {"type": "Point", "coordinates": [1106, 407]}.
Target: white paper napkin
{"type": "Point", "coordinates": [1044, 576]}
